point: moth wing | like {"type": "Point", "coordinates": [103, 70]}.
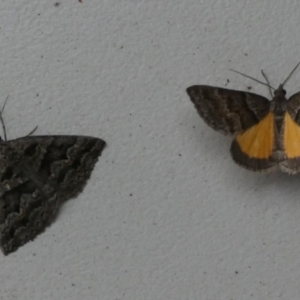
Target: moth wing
{"type": "Point", "coordinates": [291, 136]}
{"type": "Point", "coordinates": [293, 107]}
{"type": "Point", "coordinates": [228, 111]}
{"type": "Point", "coordinates": [253, 148]}
{"type": "Point", "coordinates": [37, 174]}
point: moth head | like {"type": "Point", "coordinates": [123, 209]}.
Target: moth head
{"type": "Point", "coordinates": [280, 91]}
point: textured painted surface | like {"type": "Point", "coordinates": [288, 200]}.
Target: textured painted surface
{"type": "Point", "coordinates": [166, 214]}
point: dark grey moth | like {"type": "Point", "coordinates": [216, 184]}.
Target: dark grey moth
{"type": "Point", "coordinates": [266, 133]}
{"type": "Point", "coordinates": [37, 174]}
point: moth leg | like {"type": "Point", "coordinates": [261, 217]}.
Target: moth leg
{"type": "Point", "coordinates": [2, 121]}
{"type": "Point", "coordinates": [32, 131]}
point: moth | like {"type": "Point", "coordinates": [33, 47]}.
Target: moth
{"type": "Point", "coordinates": [37, 175]}
{"type": "Point", "coordinates": [266, 133]}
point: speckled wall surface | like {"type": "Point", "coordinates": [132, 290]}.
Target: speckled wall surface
{"type": "Point", "coordinates": [166, 214]}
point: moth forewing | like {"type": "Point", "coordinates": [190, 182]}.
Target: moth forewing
{"type": "Point", "coordinates": [38, 174]}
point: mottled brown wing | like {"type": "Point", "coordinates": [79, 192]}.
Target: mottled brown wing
{"type": "Point", "coordinates": [228, 111]}
{"type": "Point", "coordinates": [37, 174]}
{"type": "Point", "coordinates": [293, 107]}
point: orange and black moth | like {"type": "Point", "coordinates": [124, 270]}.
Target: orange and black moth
{"type": "Point", "coordinates": [267, 133]}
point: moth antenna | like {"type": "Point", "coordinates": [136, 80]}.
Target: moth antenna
{"type": "Point", "coordinates": [269, 86]}
{"type": "Point", "coordinates": [2, 121]}
{"type": "Point", "coordinates": [4, 104]}
{"type": "Point", "coordinates": [32, 131]}
{"type": "Point", "coordinates": [262, 72]}
{"type": "Point", "coordinates": [291, 74]}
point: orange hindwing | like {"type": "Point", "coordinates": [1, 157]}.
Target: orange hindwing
{"type": "Point", "coordinates": [291, 137]}
{"type": "Point", "coordinates": [258, 141]}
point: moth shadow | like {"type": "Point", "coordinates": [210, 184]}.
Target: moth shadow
{"type": "Point", "coordinates": [209, 143]}
{"type": "Point", "coordinates": [213, 149]}
{"type": "Point", "coordinates": [279, 178]}
{"type": "Point", "coordinates": [276, 184]}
